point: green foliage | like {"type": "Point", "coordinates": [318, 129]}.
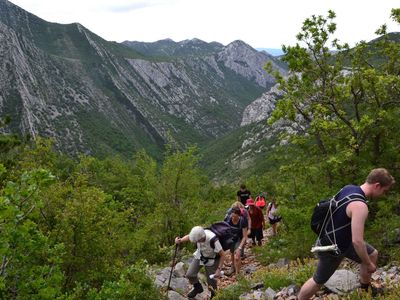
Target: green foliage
{"type": "Point", "coordinates": [235, 290]}
{"type": "Point", "coordinates": [276, 280]}
{"type": "Point", "coordinates": [132, 284]}
{"type": "Point", "coordinates": [384, 227]}
{"type": "Point", "coordinates": [389, 294]}
{"type": "Point", "coordinates": [346, 116]}
{"type": "Point", "coordinates": [344, 107]}
{"type": "Point", "coordinates": [31, 262]}
{"type": "Point", "coordinates": [297, 272]}
{"type": "Point", "coordinates": [177, 204]}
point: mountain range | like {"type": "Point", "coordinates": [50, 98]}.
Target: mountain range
{"type": "Point", "coordinates": [98, 97]}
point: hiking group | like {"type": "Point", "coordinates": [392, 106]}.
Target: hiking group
{"type": "Point", "coordinates": [243, 220]}
{"type": "Point", "coordinates": [338, 222]}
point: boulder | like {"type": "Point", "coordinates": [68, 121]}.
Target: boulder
{"type": "Point", "coordinates": [342, 281]}
{"type": "Point", "coordinates": [179, 270]}
{"type": "Point", "coordinates": [172, 295]}
{"type": "Point", "coordinates": [269, 294]}
{"type": "Point", "coordinates": [292, 290]}
{"type": "Point", "coordinates": [257, 295]}
{"type": "Point", "coordinates": [179, 284]}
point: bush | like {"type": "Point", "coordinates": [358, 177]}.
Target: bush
{"type": "Point", "coordinates": [234, 291]}
{"type": "Point", "coordinates": [133, 284]}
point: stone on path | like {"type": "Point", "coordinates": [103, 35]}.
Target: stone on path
{"type": "Point", "coordinates": [342, 281]}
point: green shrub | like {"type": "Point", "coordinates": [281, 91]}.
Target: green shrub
{"type": "Point", "coordinates": [234, 291]}
{"type": "Point", "coordinates": [133, 284]}
{"type": "Point", "coordinates": [297, 272]}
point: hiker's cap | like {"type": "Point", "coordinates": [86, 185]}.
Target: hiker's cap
{"type": "Point", "coordinates": [196, 234]}
{"type": "Point", "coordinates": [249, 202]}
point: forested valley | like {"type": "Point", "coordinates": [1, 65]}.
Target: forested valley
{"type": "Point", "coordinates": [88, 228]}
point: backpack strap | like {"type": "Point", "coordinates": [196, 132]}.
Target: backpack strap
{"type": "Point", "coordinates": [338, 204]}
{"type": "Point", "coordinates": [212, 241]}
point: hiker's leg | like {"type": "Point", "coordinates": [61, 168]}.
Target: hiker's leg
{"type": "Point", "coordinates": [238, 261]}
{"type": "Point", "coordinates": [252, 236]}
{"type": "Point", "coordinates": [309, 288]}
{"type": "Point", "coordinates": [211, 270]}
{"type": "Point", "coordinates": [193, 270]}
{"type": "Point", "coordinates": [327, 265]}
{"type": "Point", "coordinates": [273, 225]}
{"type": "Point", "coordinates": [232, 268]}
{"type": "Point", "coordinates": [259, 236]}
{"type": "Point", "coordinates": [242, 250]}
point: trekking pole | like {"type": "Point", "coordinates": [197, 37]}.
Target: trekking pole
{"type": "Point", "coordinates": [173, 265]}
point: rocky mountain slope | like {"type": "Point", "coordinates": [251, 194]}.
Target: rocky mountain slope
{"type": "Point", "coordinates": [244, 149]}
{"type": "Point", "coordinates": [101, 97]}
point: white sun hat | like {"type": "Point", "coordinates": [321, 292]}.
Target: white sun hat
{"type": "Point", "coordinates": [196, 234]}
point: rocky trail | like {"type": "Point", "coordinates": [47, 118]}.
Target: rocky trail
{"type": "Point", "coordinates": [343, 281]}
{"type": "Point", "coordinates": [249, 262]}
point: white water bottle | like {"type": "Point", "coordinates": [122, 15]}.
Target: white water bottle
{"type": "Point", "coordinates": [212, 276]}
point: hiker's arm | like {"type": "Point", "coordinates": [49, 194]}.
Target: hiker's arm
{"type": "Point", "coordinates": [244, 239]}
{"type": "Point", "coordinates": [248, 228]}
{"type": "Point", "coordinates": [358, 212]}
{"type": "Point", "coordinates": [248, 223]}
{"type": "Point", "coordinates": [179, 240]}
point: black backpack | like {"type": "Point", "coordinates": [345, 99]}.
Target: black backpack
{"type": "Point", "coordinates": [320, 214]}
{"type": "Point", "coordinates": [327, 207]}
{"type": "Point", "coordinates": [223, 233]}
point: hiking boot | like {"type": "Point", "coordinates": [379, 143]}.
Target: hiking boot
{"type": "Point", "coordinates": [375, 291]}
{"type": "Point", "coordinates": [197, 289]}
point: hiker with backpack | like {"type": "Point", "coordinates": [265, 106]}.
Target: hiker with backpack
{"type": "Point", "coordinates": [239, 227]}
{"type": "Point", "coordinates": [273, 216]}
{"type": "Point", "coordinates": [209, 254]}
{"type": "Point", "coordinates": [257, 222]}
{"type": "Point", "coordinates": [343, 233]}
{"type": "Point", "coordinates": [245, 214]}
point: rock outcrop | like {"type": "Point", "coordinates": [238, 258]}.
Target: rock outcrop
{"type": "Point", "coordinates": [261, 108]}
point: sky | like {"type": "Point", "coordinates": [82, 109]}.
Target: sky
{"type": "Point", "coordinates": [259, 23]}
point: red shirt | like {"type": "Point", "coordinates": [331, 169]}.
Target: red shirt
{"type": "Point", "coordinates": [257, 217]}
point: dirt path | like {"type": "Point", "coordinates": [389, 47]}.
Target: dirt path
{"type": "Point", "coordinates": [249, 260]}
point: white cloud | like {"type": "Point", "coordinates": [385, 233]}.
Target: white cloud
{"type": "Point", "coordinates": [260, 23]}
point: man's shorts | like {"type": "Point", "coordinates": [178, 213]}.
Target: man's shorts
{"type": "Point", "coordinates": [235, 245]}
{"type": "Point", "coordinates": [328, 262]}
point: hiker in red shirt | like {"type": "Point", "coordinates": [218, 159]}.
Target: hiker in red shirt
{"type": "Point", "coordinates": [260, 201]}
{"type": "Point", "coordinates": [257, 222]}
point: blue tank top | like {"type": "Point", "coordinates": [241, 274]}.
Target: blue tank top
{"type": "Point", "coordinates": [341, 222]}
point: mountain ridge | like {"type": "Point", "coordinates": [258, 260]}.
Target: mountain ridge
{"type": "Point", "coordinates": [100, 97]}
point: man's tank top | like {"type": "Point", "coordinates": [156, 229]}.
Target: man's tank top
{"type": "Point", "coordinates": [341, 222]}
